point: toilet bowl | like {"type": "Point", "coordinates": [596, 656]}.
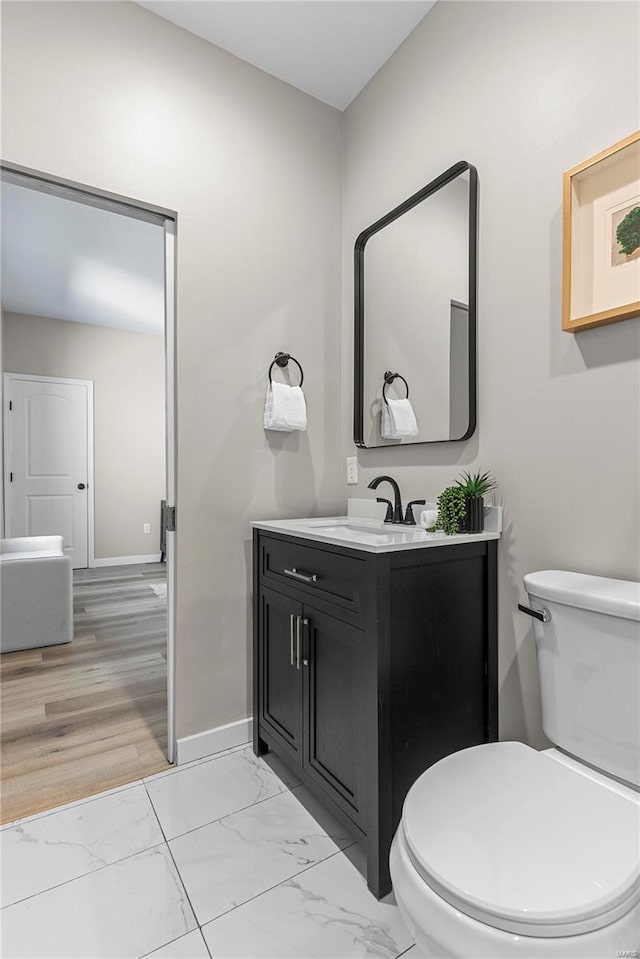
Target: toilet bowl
{"type": "Point", "coordinates": [503, 851]}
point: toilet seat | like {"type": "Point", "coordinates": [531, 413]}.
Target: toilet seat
{"type": "Point", "coordinates": [518, 841]}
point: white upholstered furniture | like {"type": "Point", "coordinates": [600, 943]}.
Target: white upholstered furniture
{"type": "Point", "coordinates": [36, 596]}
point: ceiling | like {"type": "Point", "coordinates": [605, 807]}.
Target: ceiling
{"type": "Point", "coordinates": [69, 261]}
{"type": "Point", "coordinates": [328, 48]}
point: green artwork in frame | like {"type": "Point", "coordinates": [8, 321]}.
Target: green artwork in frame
{"type": "Point", "coordinates": [625, 231]}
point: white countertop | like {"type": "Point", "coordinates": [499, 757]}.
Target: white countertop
{"type": "Point", "coordinates": [371, 535]}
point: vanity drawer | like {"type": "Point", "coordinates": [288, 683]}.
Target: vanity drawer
{"type": "Point", "coordinates": [330, 576]}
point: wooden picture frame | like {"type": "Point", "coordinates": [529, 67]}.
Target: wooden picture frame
{"type": "Point", "coordinates": [600, 279]}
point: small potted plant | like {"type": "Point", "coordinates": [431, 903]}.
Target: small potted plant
{"type": "Point", "coordinates": [452, 505]}
{"type": "Point", "coordinates": [474, 486]}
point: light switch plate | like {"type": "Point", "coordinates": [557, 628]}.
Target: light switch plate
{"type": "Point", "coordinates": [147, 527]}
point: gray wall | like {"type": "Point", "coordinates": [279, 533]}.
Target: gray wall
{"type": "Point", "coordinates": [524, 91]}
{"type": "Point", "coordinates": [111, 95]}
{"type": "Point", "coordinates": [127, 370]}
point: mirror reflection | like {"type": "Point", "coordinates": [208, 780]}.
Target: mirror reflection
{"type": "Point", "coordinates": [415, 318]}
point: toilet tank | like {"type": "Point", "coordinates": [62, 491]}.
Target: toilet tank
{"type": "Point", "coordinates": [589, 665]}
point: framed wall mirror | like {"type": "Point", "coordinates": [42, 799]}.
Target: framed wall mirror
{"type": "Point", "coordinates": [415, 317]}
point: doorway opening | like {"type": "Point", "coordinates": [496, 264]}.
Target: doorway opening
{"type": "Point", "coordinates": [87, 570]}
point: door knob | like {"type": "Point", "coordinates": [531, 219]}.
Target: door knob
{"type": "Point", "coordinates": [81, 486]}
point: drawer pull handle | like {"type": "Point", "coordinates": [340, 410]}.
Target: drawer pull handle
{"type": "Point", "coordinates": [305, 577]}
{"type": "Point", "coordinates": [292, 618]}
{"type": "Point", "coordinates": [299, 618]}
{"type": "Point", "coordinates": [542, 614]}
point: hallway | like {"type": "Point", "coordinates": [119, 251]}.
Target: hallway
{"type": "Point", "coordinates": [88, 716]}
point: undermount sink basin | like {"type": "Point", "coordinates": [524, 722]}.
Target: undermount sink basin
{"type": "Point", "coordinates": [364, 531]}
{"type": "Point", "coordinates": [357, 528]}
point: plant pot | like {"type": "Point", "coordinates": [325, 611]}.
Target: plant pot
{"type": "Point", "coordinates": [473, 522]}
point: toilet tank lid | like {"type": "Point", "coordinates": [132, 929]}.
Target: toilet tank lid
{"type": "Point", "coordinates": [614, 597]}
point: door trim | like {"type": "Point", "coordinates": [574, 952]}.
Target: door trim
{"type": "Point", "coordinates": [81, 193]}
{"type": "Point", "coordinates": [168, 218]}
{"type": "Point", "coordinates": [66, 381]}
{"type": "Point", "coordinates": [170, 467]}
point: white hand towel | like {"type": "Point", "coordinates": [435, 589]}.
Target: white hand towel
{"type": "Point", "coordinates": [398, 420]}
{"type": "Point", "coordinates": [386, 424]}
{"type": "Point", "coordinates": [285, 408]}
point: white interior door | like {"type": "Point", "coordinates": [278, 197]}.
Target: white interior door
{"type": "Point", "coordinates": [48, 460]}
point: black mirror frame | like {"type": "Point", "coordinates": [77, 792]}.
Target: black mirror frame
{"type": "Point", "coordinates": [358, 360]}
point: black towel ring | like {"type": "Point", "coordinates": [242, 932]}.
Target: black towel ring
{"type": "Point", "coordinates": [388, 380]}
{"type": "Point", "coordinates": [282, 360]}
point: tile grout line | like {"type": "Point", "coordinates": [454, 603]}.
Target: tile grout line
{"type": "Point", "coordinates": [277, 885]}
{"type": "Point", "coordinates": [92, 872]}
{"type": "Point", "coordinates": [178, 938]}
{"type": "Point", "coordinates": [283, 883]}
{"type": "Point", "coordinates": [200, 926]}
{"type": "Point", "coordinates": [212, 822]}
{"type": "Point", "coordinates": [337, 852]}
{"type": "Point", "coordinates": [179, 874]}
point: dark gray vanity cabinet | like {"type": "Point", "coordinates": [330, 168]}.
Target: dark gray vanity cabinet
{"type": "Point", "coordinates": [369, 667]}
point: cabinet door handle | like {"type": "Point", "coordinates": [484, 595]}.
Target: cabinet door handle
{"type": "Point", "coordinates": [305, 577]}
{"type": "Point", "coordinates": [305, 625]}
{"type": "Point", "coordinates": [291, 621]}
{"type": "Point", "coordinates": [298, 631]}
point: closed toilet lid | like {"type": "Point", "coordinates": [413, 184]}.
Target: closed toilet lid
{"type": "Point", "coordinates": [521, 842]}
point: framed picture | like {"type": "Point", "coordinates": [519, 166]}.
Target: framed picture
{"type": "Point", "coordinates": [601, 238]}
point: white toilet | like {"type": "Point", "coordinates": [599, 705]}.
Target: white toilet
{"type": "Point", "coordinates": [503, 851]}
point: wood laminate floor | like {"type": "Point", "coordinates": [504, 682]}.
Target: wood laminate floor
{"type": "Point", "coordinates": [92, 714]}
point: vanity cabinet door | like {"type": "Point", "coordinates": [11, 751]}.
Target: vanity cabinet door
{"type": "Point", "coordinates": [335, 740]}
{"type": "Point", "coordinates": [280, 669]}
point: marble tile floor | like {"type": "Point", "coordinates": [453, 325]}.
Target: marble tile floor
{"type": "Point", "coordinates": [225, 857]}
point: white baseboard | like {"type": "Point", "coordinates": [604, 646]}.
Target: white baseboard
{"type": "Point", "coordinates": [212, 741]}
{"type": "Point", "coordinates": [128, 560]}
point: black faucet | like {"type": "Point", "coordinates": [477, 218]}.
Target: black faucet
{"type": "Point", "coordinates": [394, 515]}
